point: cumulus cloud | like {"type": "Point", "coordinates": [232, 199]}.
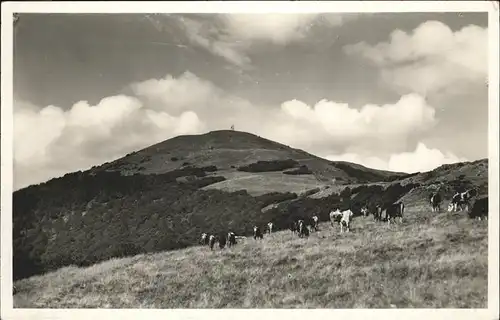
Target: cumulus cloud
{"type": "Point", "coordinates": [274, 28]}
{"type": "Point", "coordinates": [420, 160]}
{"type": "Point", "coordinates": [50, 141]}
{"type": "Point", "coordinates": [431, 58]}
{"type": "Point", "coordinates": [231, 35]}
{"type": "Point", "coordinates": [337, 126]}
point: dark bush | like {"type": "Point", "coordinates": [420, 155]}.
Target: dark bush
{"type": "Point", "coordinates": [301, 170]}
{"type": "Point", "coordinates": [210, 169]}
{"type": "Point", "coordinates": [275, 197]}
{"type": "Point", "coordinates": [361, 175]}
{"type": "Point", "coordinates": [310, 192]}
{"type": "Point", "coordinates": [269, 166]}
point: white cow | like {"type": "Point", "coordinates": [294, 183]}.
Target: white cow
{"type": "Point", "coordinates": [345, 221]}
{"type": "Point", "coordinates": [335, 217]}
{"type": "Point", "coordinates": [270, 227]}
{"type": "Point", "coordinates": [315, 223]}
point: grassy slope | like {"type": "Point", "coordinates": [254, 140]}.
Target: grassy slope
{"type": "Point", "coordinates": [428, 261]}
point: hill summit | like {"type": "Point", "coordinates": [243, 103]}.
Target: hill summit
{"type": "Point", "coordinates": [247, 162]}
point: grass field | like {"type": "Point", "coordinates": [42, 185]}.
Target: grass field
{"type": "Point", "coordinates": [257, 184]}
{"type": "Point", "coordinates": [428, 261]}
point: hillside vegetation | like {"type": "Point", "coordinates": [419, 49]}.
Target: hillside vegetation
{"type": "Point", "coordinates": [429, 261]}
{"type": "Point", "coordinates": [163, 197]}
{"type": "Point", "coordinates": [244, 153]}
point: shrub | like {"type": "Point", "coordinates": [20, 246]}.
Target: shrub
{"type": "Point", "coordinates": [361, 175]}
{"type": "Point", "coordinates": [301, 170]}
{"type": "Point", "coordinates": [269, 166]}
{"type": "Point", "coordinates": [275, 197]}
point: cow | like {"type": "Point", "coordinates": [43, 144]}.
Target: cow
{"type": "Point", "coordinates": [345, 220]}
{"type": "Point", "coordinates": [335, 217]}
{"type": "Point", "coordinates": [14, 290]}
{"type": "Point", "coordinates": [231, 239]}
{"type": "Point", "coordinates": [461, 200]}
{"type": "Point", "coordinates": [364, 211]}
{"type": "Point", "coordinates": [479, 209]}
{"type": "Point", "coordinates": [270, 227]}
{"type": "Point", "coordinates": [257, 233]}
{"type": "Point", "coordinates": [315, 220]}
{"type": "Point", "coordinates": [222, 241]}
{"type": "Point", "coordinates": [303, 229]}
{"type": "Point", "coordinates": [435, 201]}
{"type": "Point", "coordinates": [204, 238]}
{"type": "Point", "coordinates": [395, 210]}
{"type": "Point", "coordinates": [377, 212]}
{"type": "Point", "coordinates": [293, 226]}
{"type": "Point", "coordinates": [211, 241]}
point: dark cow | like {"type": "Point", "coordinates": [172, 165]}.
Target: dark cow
{"type": "Point", "coordinates": [377, 212]}
{"type": "Point", "coordinates": [293, 226]}
{"type": "Point", "coordinates": [231, 239]}
{"type": "Point", "coordinates": [461, 200]}
{"type": "Point", "coordinates": [365, 211]}
{"type": "Point", "coordinates": [435, 201]}
{"type": "Point", "coordinates": [257, 233]}
{"type": "Point", "coordinates": [395, 210]}
{"type": "Point", "coordinates": [211, 241]}
{"type": "Point", "coordinates": [222, 241]}
{"type": "Point", "coordinates": [204, 239]}
{"type": "Point", "coordinates": [479, 209]}
{"type": "Point", "coordinates": [303, 231]}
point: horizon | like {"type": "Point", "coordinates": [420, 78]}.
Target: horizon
{"type": "Point", "coordinates": [388, 91]}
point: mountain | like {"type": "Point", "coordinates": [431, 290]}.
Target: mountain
{"type": "Point", "coordinates": [164, 196]}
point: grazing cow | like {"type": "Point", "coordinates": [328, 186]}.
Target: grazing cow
{"type": "Point", "coordinates": [364, 211]}
{"type": "Point", "coordinates": [315, 220]}
{"type": "Point", "coordinates": [293, 226]}
{"type": "Point", "coordinates": [335, 217]}
{"type": "Point", "coordinates": [257, 233]}
{"type": "Point", "coordinates": [211, 241]}
{"type": "Point", "coordinates": [450, 207]}
{"type": "Point", "coordinates": [395, 210]}
{"type": "Point", "coordinates": [270, 227]}
{"type": "Point", "coordinates": [461, 200]}
{"type": "Point", "coordinates": [303, 229]}
{"type": "Point", "coordinates": [231, 239]}
{"type": "Point", "coordinates": [435, 201]}
{"type": "Point", "coordinates": [345, 220]}
{"type": "Point", "coordinates": [222, 241]}
{"type": "Point", "coordinates": [377, 212]}
{"type": "Point", "coordinates": [479, 209]}
{"type": "Point", "coordinates": [204, 239]}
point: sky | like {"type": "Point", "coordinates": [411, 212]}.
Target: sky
{"type": "Point", "coordinates": [404, 92]}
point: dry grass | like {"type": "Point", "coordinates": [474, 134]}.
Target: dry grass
{"type": "Point", "coordinates": [429, 261]}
